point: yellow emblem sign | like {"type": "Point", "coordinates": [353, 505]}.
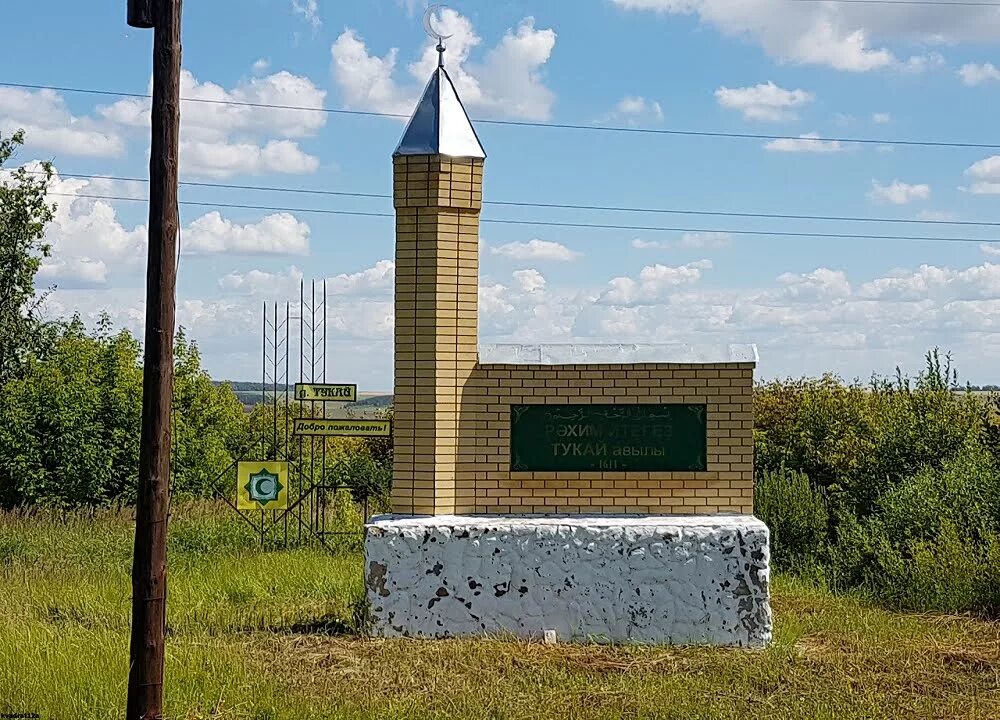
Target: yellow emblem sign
{"type": "Point", "coordinates": [262, 485]}
{"type": "Point", "coordinates": [343, 428]}
{"type": "Point", "coordinates": [334, 393]}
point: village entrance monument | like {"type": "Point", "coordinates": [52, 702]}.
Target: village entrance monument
{"type": "Point", "coordinates": [593, 491]}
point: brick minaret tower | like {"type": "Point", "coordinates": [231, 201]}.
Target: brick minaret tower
{"type": "Point", "coordinates": [521, 467]}
{"type": "Point", "coordinates": [437, 191]}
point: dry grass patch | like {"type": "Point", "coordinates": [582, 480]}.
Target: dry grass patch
{"type": "Point", "coordinates": [832, 658]}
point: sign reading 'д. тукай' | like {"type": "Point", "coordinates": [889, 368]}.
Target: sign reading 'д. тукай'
{"type": "Point", "coordinates": [318, 391]}
{"type": "Point", "coordinates": [581, 438]}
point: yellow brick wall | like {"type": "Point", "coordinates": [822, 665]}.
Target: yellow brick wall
{"type": "Point", "coordinates": [451, 426]}
{"type": "Point", "coordinates": [437, 203]}
{"type": "Point", "coordinates": [485, 483]}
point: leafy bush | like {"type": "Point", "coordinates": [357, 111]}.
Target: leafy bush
{"type": "Point", "coordinates": [964, 492]}
{"type": "Point", "coordinates": [69, 424]}
{"type": "Point", "coordinates": [348, 520]}
{"type": "Point", "coordinates": [864, 439]}
{"type": "Point", "coordinates": [946, 572]}
{"type": "Point", "coordinates": [210, 426]}
{"type": "Point", "coordinates": [891, 487]}
{"type": "Point", "coordinates": [363, 475]}
{"type": "Point", "coordinates": [797, 515]}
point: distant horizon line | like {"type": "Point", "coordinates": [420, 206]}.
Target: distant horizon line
{"type": "Point", "coordinates": [230, 381]}
{"type": "Point", "coordinates": [974, 386]}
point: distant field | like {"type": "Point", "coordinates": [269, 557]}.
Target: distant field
{"type": "Point", "coordinates": [369, 403]}
{"type": "Point", "coordinates": [381, 400]}
{"type": "Point", "coordinates": [270, 634]}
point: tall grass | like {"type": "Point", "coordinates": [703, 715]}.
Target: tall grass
{"type": "Point", "coordinates": [259, 633]}
{"type": "Point", "coordinates": [65, 599]}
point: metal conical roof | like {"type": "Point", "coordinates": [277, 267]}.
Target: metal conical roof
{"type": "Point", "coordinates": [440, 125]}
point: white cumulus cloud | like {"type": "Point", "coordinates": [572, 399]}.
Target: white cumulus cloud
{"type": "Point", "coordinates": [536, 250]}
{"type": "Point", "coordinates": [278, 234]}
{"type": "Point", "coordinates": [88, 238]}
{"type": "Point", "coordinates": [230, 134]}
{"type": "Point", "coordinates": [985, 176]}
{"type": "Point", "coordinates": [931, 281]}
{"type": "Point", "coordinates": [973, 74]}
{"type": "Point", "coordinates": [898, 193]}
{"type": "Point", "coordinates": [935, 215]}
{"type": "Point", "coordinates": [851, 37]}
{"type": "Point", "coordinates": [49, 125]}
{"type": "Point", "coordinates": [635, 109]}
{"type": "Point", "coordinates": [698, 240]}
{"type": "Point", "coordinates": [653, 283]}
{"type": "Point", "coordinates": [805, 321]}
{"type": "Point", "coordinates": [821, 283]}
{"type": "Point", "coordinates": [224, 159]}
{"type": "Point", "coordinates": [506, 82]}
{"type": "Point", "coordinates": [376, 279]}
{"type": "Point", "coordinates": [765, 101]}
{"type": "Point", "coordinates": [807, 143]}
{"type": "Point", "coordinates": [227, 112]}
{"type": "Point", "coordinates": [706, 239]}
{"type": "Point", "coordinates": [256, 282]}
{"type": "Point", "coordinates": [529, 280]}
{"type": "Point", "coordinates": [73, 272]}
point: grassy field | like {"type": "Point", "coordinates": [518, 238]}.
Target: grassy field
{"type": "Point", "coordinates": [268, 634]}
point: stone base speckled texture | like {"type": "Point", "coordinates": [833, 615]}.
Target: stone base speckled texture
{"type": "Point", "coordinates": [667, 579]}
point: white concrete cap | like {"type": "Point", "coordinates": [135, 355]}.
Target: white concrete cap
{"type": "Point", "coordinates": [615, 354]}
{"type": "Point", "coordinates": [440, 125]}
{"type": "Point", "coordinates": [419, 522]}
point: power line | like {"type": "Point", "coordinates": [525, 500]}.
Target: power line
{"type": "Point", "coordinates": [762, 215]}
{"type": "Point", "coordinates": [560, 206]}
{"type": "Point", "coordinates": [234, 206]}
{"type": "Point", "coordinates": [227, 186]}
{"type": "Point", "coordinates": [932, 3]}
{"type": "Point", "coordinates": [541, 223]}
{"type": "Point", "coordinates": [208, 101]}
{"type": "Point", "coordinates": [554, 126]}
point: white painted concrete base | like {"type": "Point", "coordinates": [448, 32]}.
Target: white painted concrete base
{"type": "Point", "coordinates": [666, 579]}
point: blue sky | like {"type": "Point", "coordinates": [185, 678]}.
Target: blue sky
{"type": "Point", "coordinates": [777, 67]}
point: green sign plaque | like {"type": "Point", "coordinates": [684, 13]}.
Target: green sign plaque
{"type": "Point", "coordinates": [612, 438]}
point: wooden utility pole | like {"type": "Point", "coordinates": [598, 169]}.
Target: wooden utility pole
{"type": "Point", "coordinates": [149, 563]}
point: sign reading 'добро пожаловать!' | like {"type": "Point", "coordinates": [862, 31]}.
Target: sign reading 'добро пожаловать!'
{"type": "Point", "coordinates": [638, 438]}
{"type": "Point", "coordinates": [342, 428]}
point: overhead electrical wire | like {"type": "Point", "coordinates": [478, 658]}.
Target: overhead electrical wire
{"type": "Point", "coordinates": [555, 126]}
{"type": "Point", "coordinates": [543, 223]}
{"type": "Point", "coordinates": [557, 206]}
{"type": "Point", "coordinates": [930, 3]}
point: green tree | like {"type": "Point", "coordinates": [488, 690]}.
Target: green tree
{"type": "Point", "coordinates": [210, 426]}
{"type": "Point", "coordinates": [24, 214]}
{"type": "Point", "coordinates": [69, 424]}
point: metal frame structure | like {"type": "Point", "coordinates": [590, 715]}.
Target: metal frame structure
{"type": "Point", "coordinates": [309, 489]}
